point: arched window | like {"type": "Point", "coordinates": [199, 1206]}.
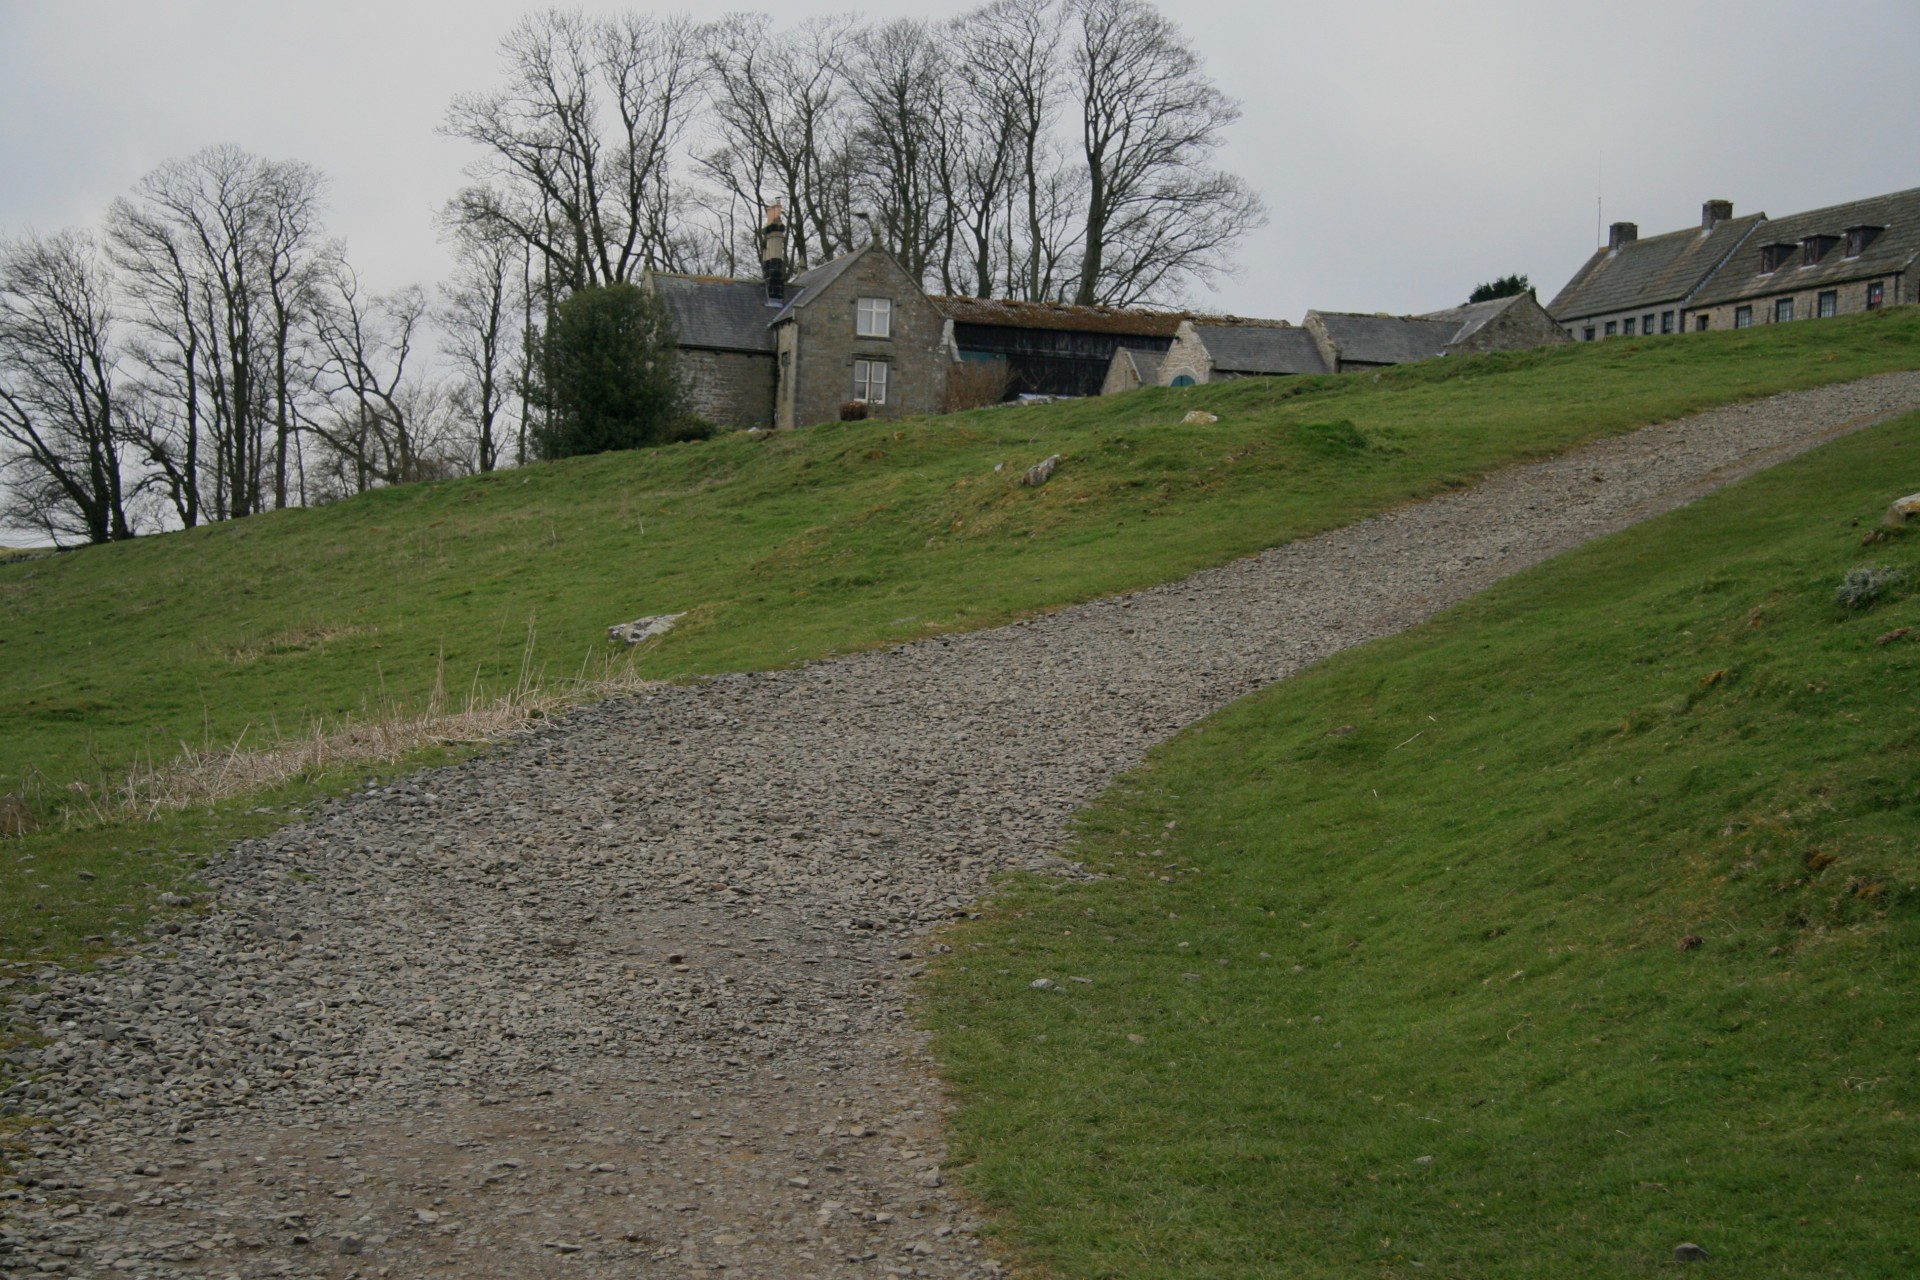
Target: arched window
{"type": "Point", "coordinates": [1184, 380]}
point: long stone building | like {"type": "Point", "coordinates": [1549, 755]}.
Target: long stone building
{"type": "Point", "coordinates": [1729, 273]}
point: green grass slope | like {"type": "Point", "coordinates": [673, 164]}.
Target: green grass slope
{"type": "Point", "coordinates": [782, 548]}
{"type": "Point", "coordinates": [1578, 923]}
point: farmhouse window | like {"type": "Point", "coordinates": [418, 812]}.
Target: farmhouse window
{"type": "Point", "coordinates": [1700, 323]}
{"type": "Point", "coordinates": [1876, 295]}
{"type": "Point", "coordinates": [1613, 327]}
{"type": "Point", "coordinates": [1626, 326]}
{"type": "Point", "coordinates": [1588, 333]}
{"type": "Point", "coordinates": [874, 318]}
{"type": "Point", "coordinates": [1829, 303]}
{"type": "Point", "coordinates": [1666, 322]}
{"type": "Point", "coordinates": [1646, 323]}
{"type": "Point", "coordinates": [1743, 317]}
{"type": "Point", "coordinates": [1783, 311]}
{"type": "Point", "coordinates": [1774, 256]}
{"type": "Point", "coordinates": [870, 381]}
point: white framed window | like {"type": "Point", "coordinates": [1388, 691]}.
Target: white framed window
{"type": "Point", "coordinates": [873, 318]}
{"type": "Point", "coordinates": [1783, 311]}
{"type": "Point", "coordinates": [1743, 317]}
{"type": "Point", "coordinates": [870, 381]}
{"type": "Point", "coordinates": [1828, 303]}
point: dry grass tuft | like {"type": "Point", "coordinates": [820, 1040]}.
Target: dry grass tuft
{"type": "Point", "coordinates": [198, 778]}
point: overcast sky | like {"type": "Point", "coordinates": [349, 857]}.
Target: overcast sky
{"type": "Point", "coordinates": [1406, 151]}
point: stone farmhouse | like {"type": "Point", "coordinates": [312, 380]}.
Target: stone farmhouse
{"type": "Point", "coordinates": [1730, 272]}
{"type": "Point", "coordinates": [779, 352]}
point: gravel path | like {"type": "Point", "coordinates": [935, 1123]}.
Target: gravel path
{"type": "Point", "coordinates": [630, 995]}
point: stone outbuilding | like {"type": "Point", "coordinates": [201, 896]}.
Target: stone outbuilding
{"type": "Point", "coordinates": [1223, 350]}
{"type": "Point", "coordinates": [1349, 340]}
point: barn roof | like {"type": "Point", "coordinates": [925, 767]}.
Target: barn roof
{"type": "Point", "coordinates": [1383, 339]}
{"type": "Point", "coordinates": [1260, 348]}
{"type": "Point", "coordinates": [1014, 314]}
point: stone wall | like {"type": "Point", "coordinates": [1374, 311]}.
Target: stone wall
{"type": "Point", "coordinates": [1187, 357]}
{"type": "Point", "coordinates": [826, 345]}
{"type": "Point", "coordinates": [1121, 375]}
{"type": "Point", "coordinates": [729, 388]}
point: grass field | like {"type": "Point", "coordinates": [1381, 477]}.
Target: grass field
{"type": "Point", "coordinates": [780, 549]}
{"type": "Point", "coordinates": [1576, 924]}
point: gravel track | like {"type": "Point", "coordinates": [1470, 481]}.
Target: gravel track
{"type": "Point", "coordinates": [629, 995]}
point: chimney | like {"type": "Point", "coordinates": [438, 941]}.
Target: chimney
{"type": "Point", "coordinates": [1622, 233]}
{"type": "Point", "coordinates": [1715, 212]}
{"type": "Point", "coordinates": [773, 255]}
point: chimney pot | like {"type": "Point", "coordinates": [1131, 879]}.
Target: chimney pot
{"type": "Point", "coordinates": [1715, 212]}
{"type": "Point", "coordinates": [1622, 233]}
{"type": "Point", "coordinates": [773, 255]}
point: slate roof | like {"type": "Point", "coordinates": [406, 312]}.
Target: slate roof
{"type": "Point", "coordinates": [1249, 348]}
{"type": "Point", "coordinates": [1373, 339]}
{"type": "Point", "coordinates": [1658, 269]}
{"type": "Point", "coordinates": [1471, 317]}
{"type": "Point", "coordinates": [1894, 249]}
{"type": "Point", "coordinates": [804, 287]}
{"type": "Point", "coordinates": [1146, 364]}
{"type": "Point", "coordinates": [717, 313]}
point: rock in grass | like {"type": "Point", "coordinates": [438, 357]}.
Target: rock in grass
{"type": "Point", "coordinates": [1042, 984]}
{"type": "Point", "coordinates": [1040, 472]}
{"type": "Point", "coordinates": [1903, 510]}
{"type": "Point", "coordinates": [642, 629]}
{"type": "Point", "coordinates": [1689, 1252]}
{"type": "Point", "coordinates": [1199, 418]}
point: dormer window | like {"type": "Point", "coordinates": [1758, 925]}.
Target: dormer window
{"type": "Point", "coordinates": [1814, 248]}
{"type": "Point", "coordinates": [1775, 256]}
{"type": "Point", "coordinates": [1858, 238]}
{"type": "Point", "coordinates": [874, 318]}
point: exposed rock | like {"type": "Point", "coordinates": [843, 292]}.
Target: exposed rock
{"type": "Point", "coordinates": [1688, 1252]}
{"type": "Point", "coordinates": [644, 629]}
{"type": "Point", "coordinates": [1040, 472]}
{"type": "Point", "coordinates": [1904, 509]}
{"type": "Point", "coordinates": [1199, 418]}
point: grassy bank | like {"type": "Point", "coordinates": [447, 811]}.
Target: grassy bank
{"type": "Point", "coordinates": [779, 549]}
{"type": "Point", "coordinates": [1576, 924]}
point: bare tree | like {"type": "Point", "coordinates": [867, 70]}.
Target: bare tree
{"type": "Point", "coordinates": [219, 251]}
{"type": "Point", "coordinates": [906, 139]}
{"type": "Point", "coordinates": [1013, 62]}
{"type": "Point", "coordinates": [58, 407]}
{"type": "Point", "coordinates": [579, 147]}
{"type": "Point", "coordinates": [780, 114]}
{"type": "Point", "coordinates": [370, 421]}
{"type": "Point", "coordinates": [479, 317]}
{"type": "Point", "coordinates": [1150, 122]}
